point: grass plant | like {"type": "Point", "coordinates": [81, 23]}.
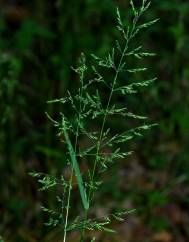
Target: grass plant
{"type": "Point", "coordinates": [86, 133]}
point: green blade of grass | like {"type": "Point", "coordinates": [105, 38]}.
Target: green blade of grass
{"type": "Point", "coordinates": [77, 171]}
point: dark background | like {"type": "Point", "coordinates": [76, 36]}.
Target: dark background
{"type": "Point", "coordinates": [39, 42]}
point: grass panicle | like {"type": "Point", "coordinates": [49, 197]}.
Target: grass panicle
{"type": "Point", "coordinates": [103, 146]}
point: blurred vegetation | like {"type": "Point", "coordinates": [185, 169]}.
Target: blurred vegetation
{"type": "Point", "coordinates": [39, 42]}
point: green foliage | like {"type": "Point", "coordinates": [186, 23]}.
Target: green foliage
{"type": "Point", "coordinates": [35, 49]}
{"type": "Point", "coordinates": [1, 240]}
{"type": "Point", "coordinates": [75, 167]}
